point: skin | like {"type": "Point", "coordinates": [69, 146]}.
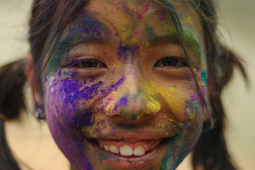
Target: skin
{"type": "Point", "coordinates": [130, 93]}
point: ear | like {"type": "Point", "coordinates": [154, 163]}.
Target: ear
{"type": "Point", "coordinates": [37, 98]}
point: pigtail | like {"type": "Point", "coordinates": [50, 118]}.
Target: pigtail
{"type": "Point", "coordinates": [210, 152]}
{"type": "Point", "coordinates": [7, 160]}
{"type": "Point", "coordinates": [12, 102]}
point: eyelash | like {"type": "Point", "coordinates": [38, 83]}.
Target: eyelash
{"type": "Point", "coordinates": [93, 62]}
{"type": "Point", "coordinates": [178, 62]}
{"type": "Point", "coordinates": [164, 62]}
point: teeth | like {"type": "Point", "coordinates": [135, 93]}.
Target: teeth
{"type": "Point", "coordinates": [139, 151]}
{"type": "Point", "coordinates": [126, 150]}
{"type": "Point", "coordinates": [114, 149]}
{"type": "Point", "coordinates": [106, 147]}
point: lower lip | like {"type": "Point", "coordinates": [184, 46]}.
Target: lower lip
{"type": "Point", "coordinates": [124, 162]}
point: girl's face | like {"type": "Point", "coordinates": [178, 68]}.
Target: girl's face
{"type": "Point", "coordinates": [119, 93]}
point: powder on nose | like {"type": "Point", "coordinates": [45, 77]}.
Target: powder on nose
{"type": "Point", "coordinates": [124, 101]}
{"type": "Point", "coordinates": [125, 54]}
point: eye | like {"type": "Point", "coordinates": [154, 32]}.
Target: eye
{"type": "Point", "coordinates": [171, 62]}
{"type": "Point", "coordinates": [89, 64]}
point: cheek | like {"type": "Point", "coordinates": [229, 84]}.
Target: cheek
{"type": "Point", "coordinates": [70, 104]}
{"type": "Point", "coordinates": [184, 104]}
{"type": "Point", "coordinates": [180, 100]}
{"type": "Point", "coordinates": [193, 107]}
{"type": "Point", "coordinates": [68, 101]}
{"type": "Point", "coordinates": [65, 116]}
{"type": "Point", "coordinates": [67, 105]}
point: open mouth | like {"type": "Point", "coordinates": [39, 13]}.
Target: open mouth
{"type": "Point", "coordinates": [128, 147]}
{"type": "Point", "coordinates": [130, 152]}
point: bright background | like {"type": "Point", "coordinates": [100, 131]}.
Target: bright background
{"type": "Point", "coordinates": [31, 141]}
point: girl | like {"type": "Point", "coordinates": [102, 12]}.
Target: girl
{"type": "Point", "coordinates": [124, 84]}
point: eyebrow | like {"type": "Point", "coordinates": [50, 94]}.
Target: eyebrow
{"type": "Point", "coordinates": [190, 40]}
{"type": "Point", "coordinates": [70, 41]}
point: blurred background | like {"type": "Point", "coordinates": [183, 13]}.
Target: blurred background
{"type": "Point", "coordinates": [31, 141]}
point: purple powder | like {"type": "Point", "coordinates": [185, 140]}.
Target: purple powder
{"type": "Point", "coordinates": [125, 52]}
{"type": "Point", "coordinates": [124, 101]}
{"type": "Point", "coordinates": [140, 16]}
{"type": "Point", "coordinates": [161, 16]}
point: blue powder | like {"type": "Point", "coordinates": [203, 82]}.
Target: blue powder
{"type": "Point", "coordinates": [124, 53]}
{"type": "Point", "coordinates": [123, 101]}
{"type": "Point", "coordinates": [204, 77]}
{"type": "Point", "coordinates": [75, 92]}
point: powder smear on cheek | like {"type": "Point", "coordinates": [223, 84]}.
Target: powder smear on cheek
{"type": "Point", "coordinates": [65, 95]}
{"type": "Point", "coordinates": [69, 112]}
{"type": "Point", "coordinates": [174, 98]}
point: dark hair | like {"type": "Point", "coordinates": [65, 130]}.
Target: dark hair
{"type": "Point", "coordinates": [51, 17]}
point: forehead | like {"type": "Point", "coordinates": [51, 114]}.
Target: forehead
{"type": "Point", "coordinates": [136, 9]}
{"type": "Point", "coordinates": [133, 21]}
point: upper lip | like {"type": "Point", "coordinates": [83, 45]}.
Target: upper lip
{"type": "Point", "coordinates": [133, 136]}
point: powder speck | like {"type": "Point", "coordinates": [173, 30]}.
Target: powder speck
{"type": "Point", "coordinates": [140, 16]}
{"type": "Point", "coordinates": [161, 16]}
{"type": "Point", "coordinates": [123, 101]}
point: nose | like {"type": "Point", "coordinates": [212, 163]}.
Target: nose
{"type": "Point", "coordinates": [130, 100]}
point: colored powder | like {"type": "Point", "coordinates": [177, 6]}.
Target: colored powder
{"type": "Point", "coordinates": [204, 77]}
{"type": "Point", "coordinates": [150, 32]}
{"type": "Point", "coordinates": [140, 16]}
{"type": "Point", "coordinates": [153, 105]}
{"type": "Point", "coordinates": [124, 101]}
{"type": "Point", "coordinates": [125, 54]}
{"type": "Point", "coordinates": [187, 20]}
{"type": "Point", "coordinates": [192, 108]}
{"type": "Point", "coordinates": [74, 93]}
{"type": "Point", "coordinates": [161, 16]}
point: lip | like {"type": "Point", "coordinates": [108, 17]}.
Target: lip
{"type": "Point", "coordinates": [138, 135]}
{"type": "Point", "coordinates": [129, 162]}
{"type": "Point", "coordinates": [117, 161]}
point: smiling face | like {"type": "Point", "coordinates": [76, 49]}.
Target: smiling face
{"type": "Point", "coordinates": [119, 93]}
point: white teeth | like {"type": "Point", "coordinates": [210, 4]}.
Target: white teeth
{"type": "Point", "coordinates": [114, 149]}
{"type": "Point", "coordinates": [126, 150]}
{"type": "Point", "coordinates": [139, 151]}
{"type": "Point", "coordinates": [106, 147]}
